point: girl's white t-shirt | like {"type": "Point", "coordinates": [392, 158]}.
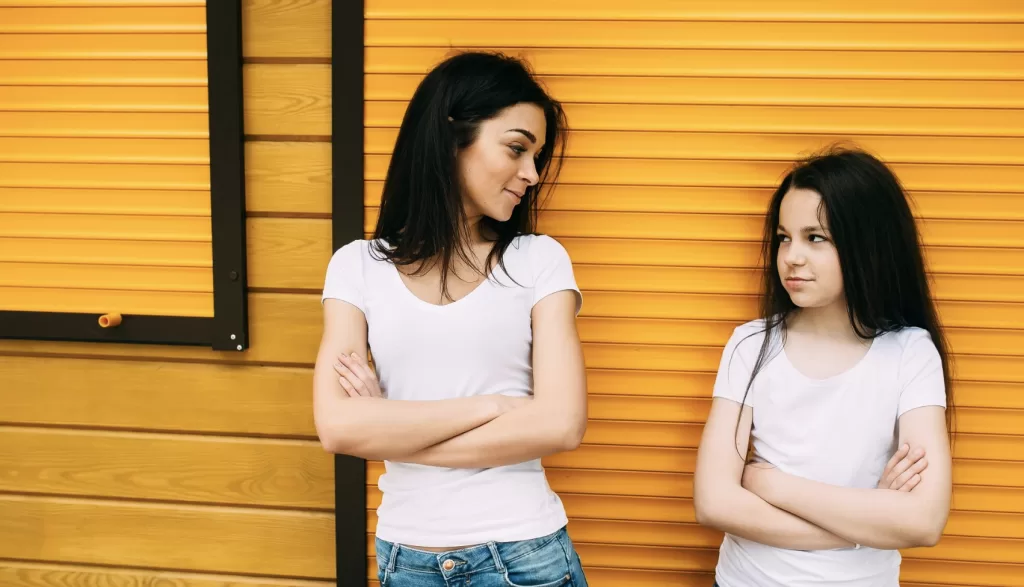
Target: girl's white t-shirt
{"type": "Point", "coordinates": [841, 430]}
{"type": "Point", "coordinates": [480, 344]}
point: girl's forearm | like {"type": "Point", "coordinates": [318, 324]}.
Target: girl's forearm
{"type": "Point", "coordinates": [741, 513]}
{"type": "Point", "coordinates": [523, 434]}
{"type": "Point", "coordinates": [879, 518]}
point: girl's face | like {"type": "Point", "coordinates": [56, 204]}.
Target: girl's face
{"type": "Point", "coordinates": [808, 262]}
{"type": "Point", "coordinates": [501, 163]}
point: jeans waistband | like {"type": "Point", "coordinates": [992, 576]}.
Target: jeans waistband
{"type": "Point", "coordinates": [484, 557]}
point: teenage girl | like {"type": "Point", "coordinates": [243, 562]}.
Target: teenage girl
{"type": "Point", "coordinates": [841, 386]}
{"type": "Point", "coordinates": [477, 365]}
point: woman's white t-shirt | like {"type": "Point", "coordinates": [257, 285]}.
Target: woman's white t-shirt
{"type": "Point", "coordinates": [841, 430]}
{"type": "Point", "coordinates": [479, 344]}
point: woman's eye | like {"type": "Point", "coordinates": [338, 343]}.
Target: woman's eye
{"type": "Point", "coordinates": [517, 149]}
{"type": "Point", "coordinates": [781, 238]}
{"type": "Point", "coordinates": [817, 238]}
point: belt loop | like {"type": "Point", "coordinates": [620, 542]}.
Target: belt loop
{"type": "Point", "coordinates": [497, 557]}
{"type": "Point", "coordinates": [391, 559]}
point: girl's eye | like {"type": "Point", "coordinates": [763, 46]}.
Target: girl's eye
{"type": "Point", "coordinates": [817, 238]}
{"type": "Point", "coordinates": [782, 238]}
{"type": "Point", "coordinates": [517, 149]}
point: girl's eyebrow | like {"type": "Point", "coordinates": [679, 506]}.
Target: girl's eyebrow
{"type": "Point", "coordinates": [806, 229]}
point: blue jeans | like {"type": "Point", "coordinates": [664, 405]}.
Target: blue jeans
{"type": "Point", "coordinates": [548, 561]}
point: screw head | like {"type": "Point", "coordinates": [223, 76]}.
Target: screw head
{"type": "Point", "coordinates": [233, 337]}
{"type": "Point", "coordinates": [233, 275]}
{"type": "Point", "coordinates": [239, 347]}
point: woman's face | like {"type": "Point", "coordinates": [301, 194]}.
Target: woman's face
{"type": "Point", "coordinates": [808, 261]}
{"type": "Point", "coordinates": [498, 167]}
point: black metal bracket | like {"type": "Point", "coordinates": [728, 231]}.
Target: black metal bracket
{"type": "Point", "coordinates": [347, 225]}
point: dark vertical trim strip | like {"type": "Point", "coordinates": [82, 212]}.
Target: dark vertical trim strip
{"type": "Point", "coordinates": [347, 225]}
{"type": "Point", "coordinates": [227, 174]}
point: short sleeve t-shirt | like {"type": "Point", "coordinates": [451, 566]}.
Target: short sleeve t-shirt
{"type": "Point", "coordinates": [841, 430]}
{"type": "Point", "coordinates": [479, 344]}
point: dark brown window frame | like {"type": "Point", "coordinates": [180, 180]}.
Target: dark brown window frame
{"type": "Point", "coordinates": [228, 329]}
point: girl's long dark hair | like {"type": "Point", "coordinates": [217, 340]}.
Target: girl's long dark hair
{"type": "Point", "coordinates": [884, 277]}
{"type": "Point", "coordinates": [422, 220]}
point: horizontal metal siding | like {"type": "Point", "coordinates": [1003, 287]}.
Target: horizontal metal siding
{"type": "Point", "coordinates": [685, 115]}
{"type": "Point", "coordinates": [104, 147]}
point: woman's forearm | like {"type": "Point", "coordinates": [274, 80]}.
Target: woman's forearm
{"type": "Point", "coordinates": [879, 518]}
{"type": "Point", "coordinates": [741, 513]}
{"type": "Point", "coordinates": [520, 435]}
{"type": "Point", "coordinates": [378, 428]}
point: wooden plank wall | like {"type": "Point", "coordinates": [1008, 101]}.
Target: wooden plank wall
{"type": "Point", "coordinates": [124, 463]}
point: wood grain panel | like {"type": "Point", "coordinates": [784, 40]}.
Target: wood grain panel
{"type": "Point", "coordinates": [288, 253]}
{"type": "Point", "coordinates": [172, 537]}
{"type": "Point", "coordinates": [289, 28]}
{"type": "Point", "coordinates": [150, 395]}
{"type": "Point", "coordinates": [288, 178]}
{"type": "Point", "coordinates": [287, 99]}
{"type": "Point", "coordinates": [844, 64]}
{"type": "Point", "coordinates": [180, 468]}
{"type": "Point", "coordinates": [26, 574]}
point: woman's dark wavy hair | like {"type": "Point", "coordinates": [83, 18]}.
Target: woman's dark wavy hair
{"type": "Point", "coordinates": [868, 214]}
{"type": "Point", "coordinates": [422, 219]}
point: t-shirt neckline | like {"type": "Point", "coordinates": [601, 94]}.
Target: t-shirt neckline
{"type": "Point", "coordinates": [848, 372]}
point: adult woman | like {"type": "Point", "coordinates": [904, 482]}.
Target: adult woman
{"type": "Point", "coordinates": [845, 370]}
{"type": "Point", "coordinates": [471, 320]}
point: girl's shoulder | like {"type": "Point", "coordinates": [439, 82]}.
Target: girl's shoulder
{"type": "Point", "coordinates": [909, 343]}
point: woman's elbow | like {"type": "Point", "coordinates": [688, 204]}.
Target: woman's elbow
{"type": "Point", "coordinates": [706, 505]}
{"type": "Point", "coordinates": [570, 434]}
{"type": "Point", "coordinates": [930, 533]}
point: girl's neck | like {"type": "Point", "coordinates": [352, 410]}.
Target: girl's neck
{"type": "Point", "coordinates": [832, 321]}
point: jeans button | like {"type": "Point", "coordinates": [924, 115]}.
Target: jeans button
{"type": "Point", "coordinates": [448, 565]}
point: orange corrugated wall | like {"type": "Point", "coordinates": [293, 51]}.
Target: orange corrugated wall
{"type": "Point", "coordinates": [685, 115]}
